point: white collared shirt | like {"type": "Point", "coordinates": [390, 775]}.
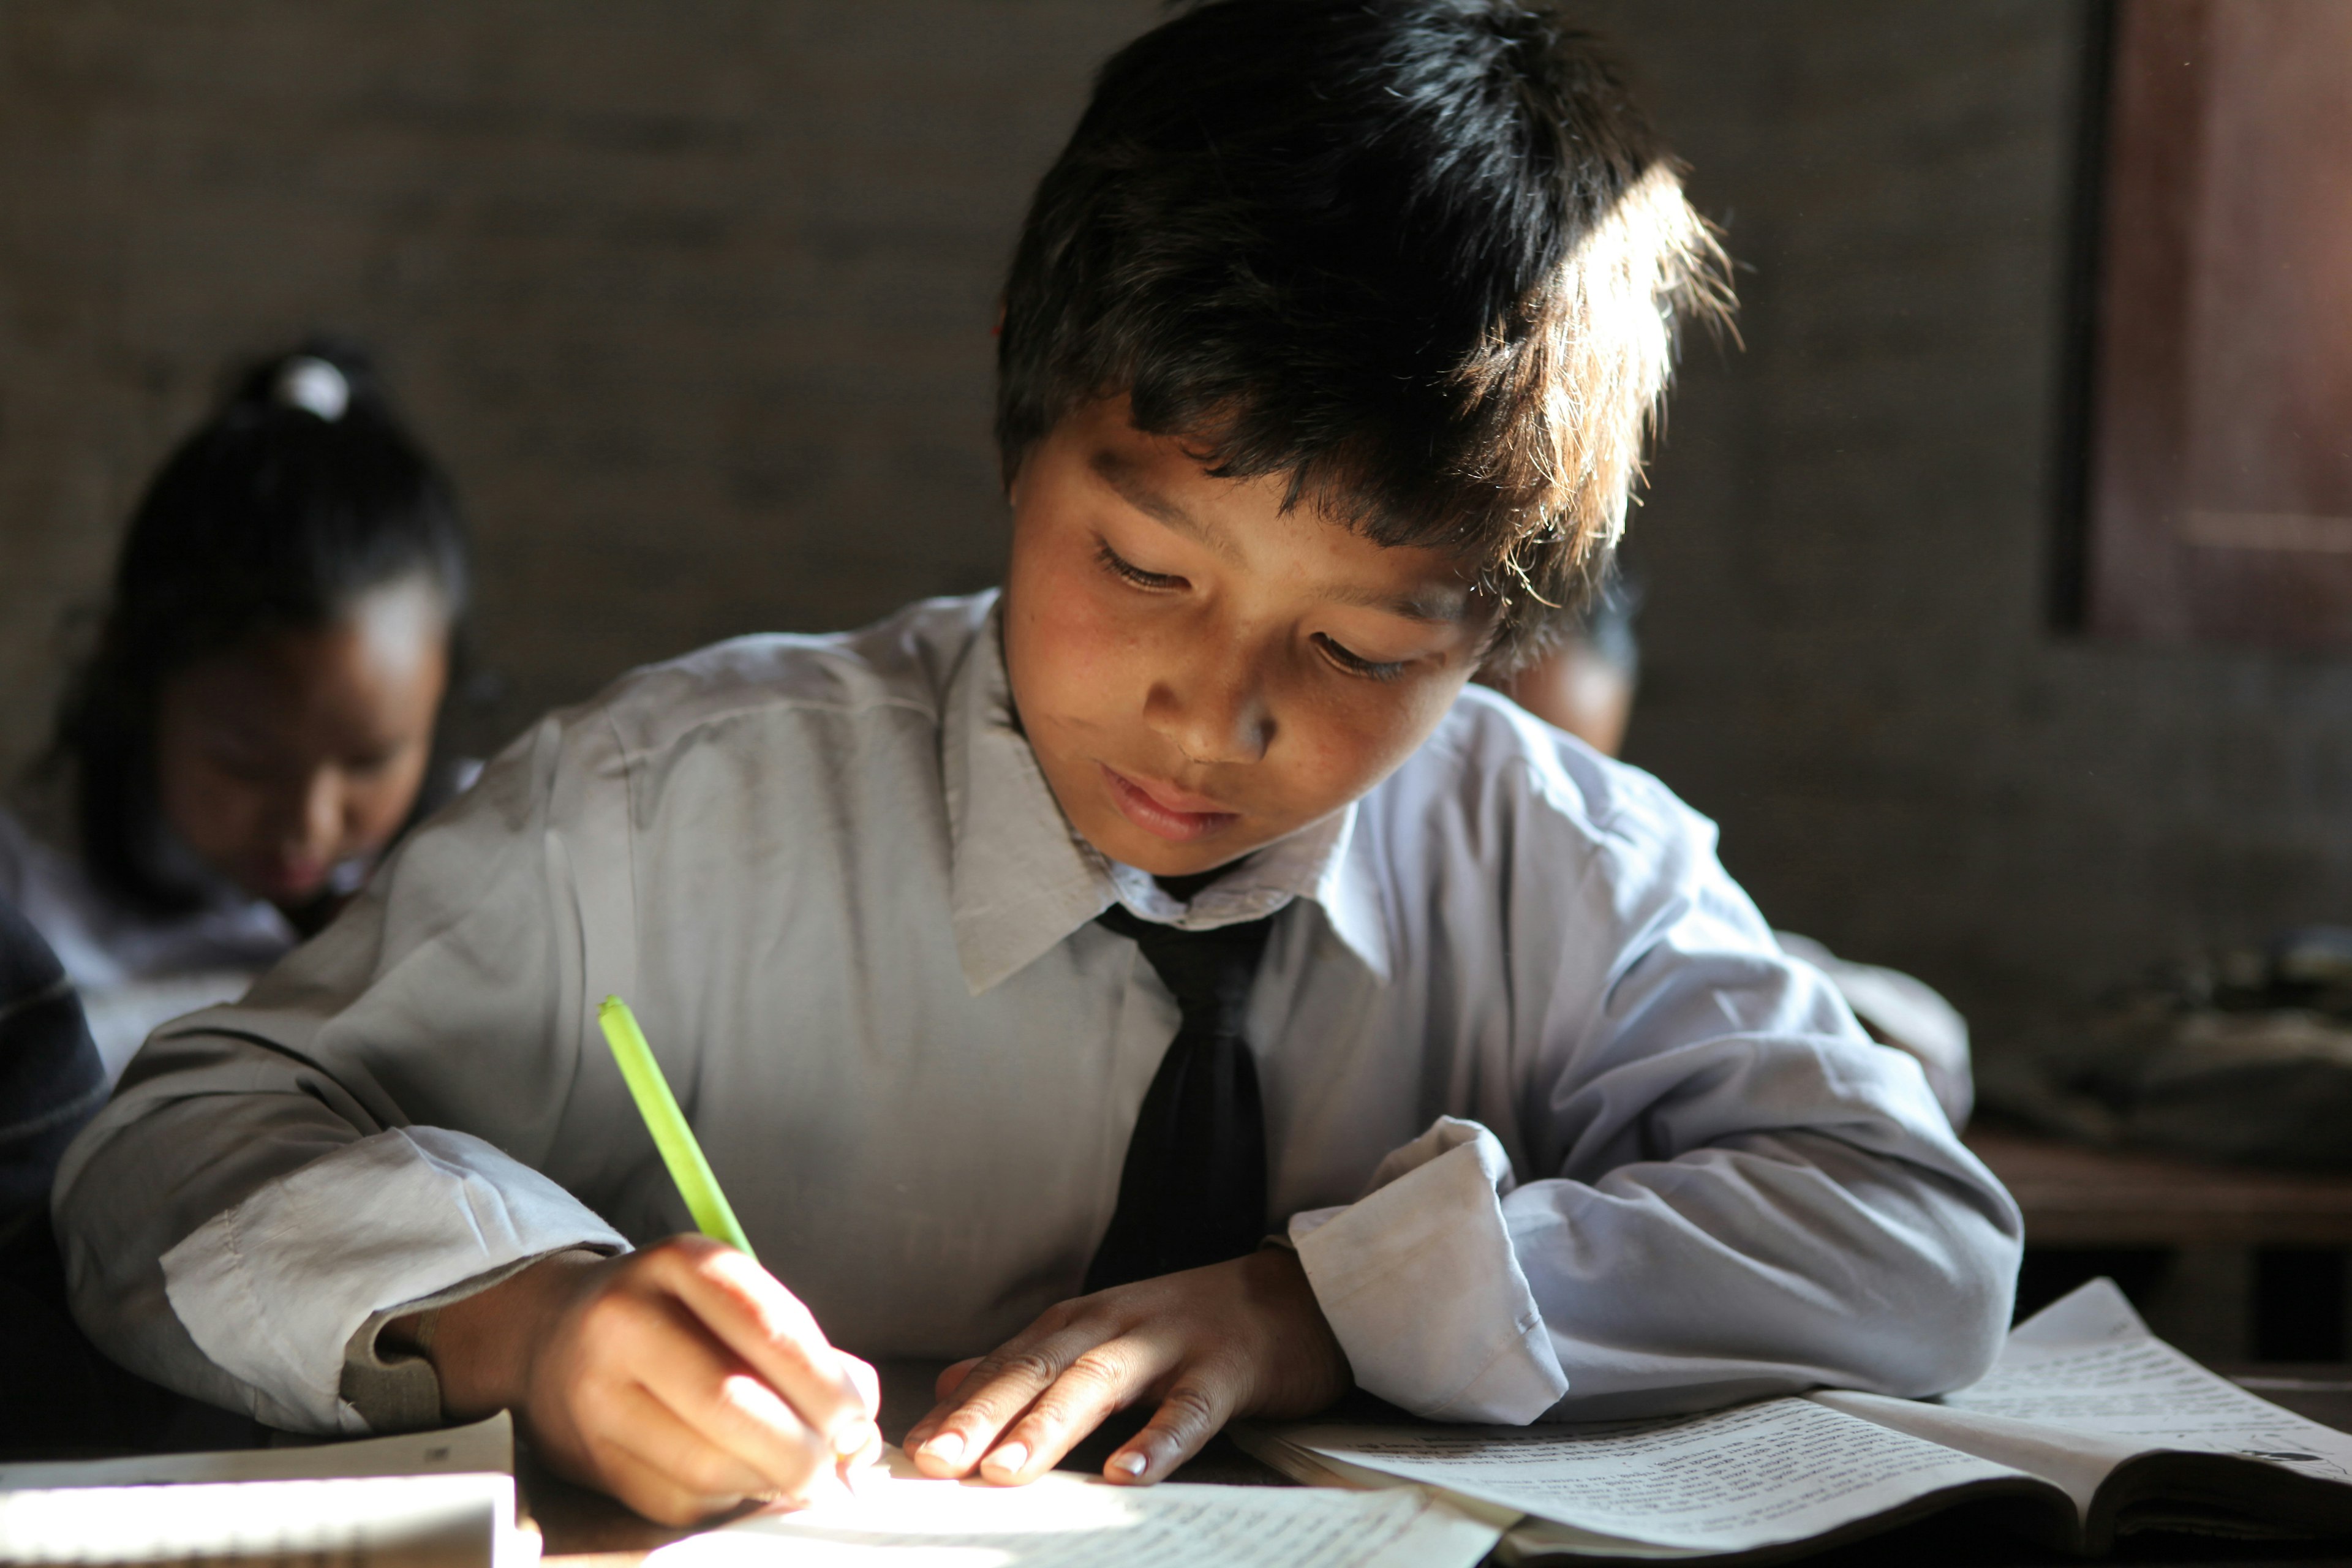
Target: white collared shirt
{"type": "Point", "coordinates": [134, 966]}
{"type": "Point", "coordinates": [1614, 1150]}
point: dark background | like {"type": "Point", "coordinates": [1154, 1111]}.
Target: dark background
{"type": "Point", "coordinates": [693, 300]}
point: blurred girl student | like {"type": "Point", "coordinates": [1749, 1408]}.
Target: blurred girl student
{"type": "Point", "coordinates": [258, 720]}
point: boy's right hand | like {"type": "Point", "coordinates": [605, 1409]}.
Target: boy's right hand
{"type": "Point", "coordinates": [682, 1378]}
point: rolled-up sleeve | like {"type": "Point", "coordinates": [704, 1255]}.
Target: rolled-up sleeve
{"type": "Point", "coordinates": [1707, 1183]}
{"type": "Point", "coordinates": [273, 1291]}
{"type": "Point", "coordinates": [359, 1131]}
{"type": "Point", "coordinates": [1421, 1283]}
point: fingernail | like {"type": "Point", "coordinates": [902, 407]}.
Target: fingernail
{"type": "Point", "coordinates": [947, 1446]}
{"type": "Point", "coordinates": [1008, 1458]}
{"type": "Point", "coordinates": [853, 1438]}
{"type": "Point", "coordinates": [1129, 1464]}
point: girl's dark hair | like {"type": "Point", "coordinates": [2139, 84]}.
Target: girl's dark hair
{"type": "Point", "coordinates": [1424, 256]}
{"type": "Point", "coordinates": [301, 493]}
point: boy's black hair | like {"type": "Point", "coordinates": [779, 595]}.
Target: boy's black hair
{"type": "Point", "coordinates": [301, 493]}
{"type": "Point", "coordinates": [1424, 256]}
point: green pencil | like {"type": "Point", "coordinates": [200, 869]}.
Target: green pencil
{"type": "Point", "coordinates": [672, 1136]}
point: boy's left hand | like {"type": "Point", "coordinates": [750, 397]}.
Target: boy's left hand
{"type": "Point", "coordinates": [1243, 1338]}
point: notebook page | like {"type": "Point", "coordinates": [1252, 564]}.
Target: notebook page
{"type": "Point", "coordinates": [384, 1521]}
{"type": "Point", "coordinates": [485, 1446]}
{"type": "Point", "coordinates": [1062, 1521]}
{"type": "Point", "coordinates": [404, 1501]}
{"type": "Point", "coordinates": [2082, 1386]}
{"type": "Point", "coordinates": [1730, 1480]}
{"type": "Point", "coordinates": [2074, 1462]}
{"type": "Point", "coordinates": [2088, 1364]}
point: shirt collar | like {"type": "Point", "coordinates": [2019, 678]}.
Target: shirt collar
{"type": "Point", "coordinates": [1023, 879]}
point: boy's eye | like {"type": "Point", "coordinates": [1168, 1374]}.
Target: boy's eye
{"type": "Point", "coordinates": [1120, 566]}
{"type": "Point", "coordinates": [1356, 665]}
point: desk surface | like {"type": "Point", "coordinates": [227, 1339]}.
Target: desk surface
{"type": "Point", "coordinates": [2078, 1196]}
{"type": "Point", "coordinates": [583, 1529]}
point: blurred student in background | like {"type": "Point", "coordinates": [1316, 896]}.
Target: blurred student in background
{"type": "Point", "coordinates": [54, 1388]}
{"type": "Point", "coordinates": [1585, 684]}
{"type": "Point", "coordinates": [58, 1393]}
{"type": "Point", "coordinates": [258, 720]}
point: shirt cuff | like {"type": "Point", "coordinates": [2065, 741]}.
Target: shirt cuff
{"type": "Point", "coordinates": [402, 1392]}
{"type": "Point", "coordinates": [1418, 1282]}
{"type": "Point", "coordinates": [280, 1290]}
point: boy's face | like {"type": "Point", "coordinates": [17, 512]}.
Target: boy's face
{"type": "Point", "coordinates": [1200, 672]}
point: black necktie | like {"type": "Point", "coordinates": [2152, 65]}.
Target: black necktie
{"type": "Point", "coordinates": [1193, 1189]}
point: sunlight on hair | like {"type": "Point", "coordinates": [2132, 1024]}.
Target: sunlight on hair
{"type": "Point", "coordinates": [1576, 395]}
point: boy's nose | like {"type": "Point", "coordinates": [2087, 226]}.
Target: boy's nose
{"type": "Point", "coordinates": [1212, 715]}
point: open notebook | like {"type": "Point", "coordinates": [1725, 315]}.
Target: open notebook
{"type": "Point", "coordinates": [900, 1517]}
{"type": "Point", "coordinates": [427, 1500]}
{"type": "Point", "coordinates": [2087, 1427]}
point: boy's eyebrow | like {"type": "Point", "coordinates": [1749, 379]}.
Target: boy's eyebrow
{"type": "Point", "coordinates": [1120, 476]}
{"type": "Point", "coordinates": [1435, 605]}
{"type": "Point", "coordinates": [1442, 606]}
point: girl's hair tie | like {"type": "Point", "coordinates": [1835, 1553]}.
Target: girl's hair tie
{"type": "Point", "coordinates": [313, 385]}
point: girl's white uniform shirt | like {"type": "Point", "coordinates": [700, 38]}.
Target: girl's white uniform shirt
{"type": "Point", "coordinates": [1553, 1121]}
{"type": "Point", "coordinates": [135, 967]}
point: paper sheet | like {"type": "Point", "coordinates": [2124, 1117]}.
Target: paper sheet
{"type": "Point", "coordinates": [904, 1521]}
{"type": "Point", "coordinates": [1784, 1470]}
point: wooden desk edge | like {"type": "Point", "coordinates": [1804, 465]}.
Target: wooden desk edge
{"type": "Point", "coordinates": [2075, 1196]}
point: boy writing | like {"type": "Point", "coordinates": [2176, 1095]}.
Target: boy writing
{"type": "Point", "coordinates": [1025, 961]}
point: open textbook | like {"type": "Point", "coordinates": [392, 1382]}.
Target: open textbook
{"type": "Point", "coordinates": [426, 1499]}
{"type": "Point", "coordinates": [2087, 1427]}
{"type": "Point", "coordinates": [902, 1518]}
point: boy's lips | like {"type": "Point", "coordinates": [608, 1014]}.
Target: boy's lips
{"type": "Point", "coordinates": [1162, 809]}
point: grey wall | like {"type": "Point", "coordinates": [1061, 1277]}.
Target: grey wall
{"type": "Point", "coordinates": [1851, 665]}
{"type": "Point", "coordinates": [694, 298]}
